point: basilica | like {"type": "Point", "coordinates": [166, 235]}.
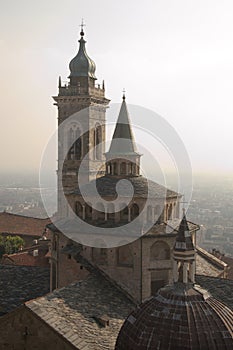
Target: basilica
{"type": "Point", "coordinates": [139, 266]}
{"type": "Point", "coordinates": [109, 288]}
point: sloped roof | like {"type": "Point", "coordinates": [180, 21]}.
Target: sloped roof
{"type": "Point", "coordinates": [123, 138]}
{"type": "Point", "coordinates": [229, 261]}
{"type": "Point", "coordinates": [73, 312]}
{"type": "Point", "coordinates": [183, 239]}
{"type": "Point", "coordinates": [23, 225]}
{"type": "Point", "coordinates": [219, 288]}
{"type": "Point", "coordinates": [106, 186]}
{"type": "Point", "coordinates": [21, 283]}
{"type": "Point", "coordinates": [205, 267]}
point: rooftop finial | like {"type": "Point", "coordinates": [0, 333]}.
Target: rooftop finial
{"type": "Point", "coordinates": [82, 25]}
{"type": "Point", "coordinates": [183, 208]}
{"type": "Point", "coordinates": [123, 94]}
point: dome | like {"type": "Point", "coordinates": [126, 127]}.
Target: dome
{"type": "Point", "coordinates": [181, 316]}
{"type": "Point", "coordinates": [82, 65]}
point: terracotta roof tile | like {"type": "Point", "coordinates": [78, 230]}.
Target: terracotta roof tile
{"type": "Point", "coordinates": [24, 225]}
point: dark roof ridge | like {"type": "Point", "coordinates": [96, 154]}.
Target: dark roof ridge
{"type": "Point", "coordinates": [23, 216]}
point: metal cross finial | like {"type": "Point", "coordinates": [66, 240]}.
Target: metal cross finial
{"type": "Point", "coordinates": [183, 209]}
{"type": "Point", "coordinates": [123, 94]}
{"type": "Point", "coordinates": [82, 25]}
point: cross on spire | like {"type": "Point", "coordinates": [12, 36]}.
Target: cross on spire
{"type": "Point", "coordinates": [82, 25]}
{"type": "Point", "coordinates": [123, 94]}
{"type": "Point", "coordinates": [183, 202]}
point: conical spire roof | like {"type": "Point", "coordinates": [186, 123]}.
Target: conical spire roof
{"type": "Point", "coordinates": [82, 65]}
{"type": "Point", "coordinates": [124, 132]}
{"type": "Point", "coordinates": [183, 239]}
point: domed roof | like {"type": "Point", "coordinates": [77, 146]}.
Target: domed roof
{"type": "Point", "coordinates": [180, 316]}
{"type": "Point", "coordinates": [82, 65]}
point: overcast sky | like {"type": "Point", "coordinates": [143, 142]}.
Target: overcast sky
{"type": "Point", "coordinates": [173, 57]}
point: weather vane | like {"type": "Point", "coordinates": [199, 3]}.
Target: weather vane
{"type": "Point", "coordinates": [123, 94]}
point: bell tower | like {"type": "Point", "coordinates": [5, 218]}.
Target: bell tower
{"type": "Point", "coordinates": [81, 120]}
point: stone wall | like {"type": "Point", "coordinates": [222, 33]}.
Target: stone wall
{"type": "Point", "coordinates": [21, 329]}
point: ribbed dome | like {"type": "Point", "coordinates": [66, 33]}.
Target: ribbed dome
{"type": "Point", "coordinates": [178, 317]}
{"type": "Point", "coordinates": [82, 65]}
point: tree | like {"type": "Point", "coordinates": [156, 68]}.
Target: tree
{"type": "Point", "coordinates": [10, 244]}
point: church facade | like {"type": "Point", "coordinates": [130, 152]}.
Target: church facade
{"type": "Point", "coordinates": [139, 266]}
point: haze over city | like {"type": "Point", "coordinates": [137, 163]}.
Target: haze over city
{"type": "Point", "coordinates": [175, 58]}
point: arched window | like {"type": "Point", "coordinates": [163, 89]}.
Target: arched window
{"type": "Point", "coordinates": [88, 211]}
{"type": "Point", "coordinates": [159, 251]}
{"type": "Point", "coordinates": [124, 213]}
{"type": "Point", "coordinates": [170, 212]}
{"type": "Point", "coordinates": [131, 168]}
{"type": "Point", "coordinates": [123, 168]}
{"type": "Point", "coordinates": [78, 145]}
{"type": "Point", "coordinates": [149, 213]}
{"type": "Point", "coordinates": [111, 211]}
{"type": "Point", "coordinates": [79, 209]}
{"type": "Point", "coordinates": [115, 168]}
{"type": "Point", "coordinates": [100, 212]}
{"type": "Point", "coordinates": [134, 211]}
{"type": "Point", "coordinates": [97, 142]}
{"type": "Point", "coordinates": [109, 168]}
{"type": "Point", "coordinates": [74, 143]}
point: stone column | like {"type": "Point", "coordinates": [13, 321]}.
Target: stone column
{"type": "Point", "coordinates": [175, 271]}
{"type": "Point", "coordinates": [185, 272]}
{"type": "Point", "coordinates": [192, 271]}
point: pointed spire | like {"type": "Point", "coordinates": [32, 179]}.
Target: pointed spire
{"type": "Point", "coordinates": [184, 254]}
{"type": "Point", "coordinates": [123, 131]}
{"type": "Point", "coordinates": [183, 239]}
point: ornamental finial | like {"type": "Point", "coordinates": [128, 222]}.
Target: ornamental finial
{"type": "Point", "coordinates": [123, 97]}
{"type": "Point", "coordinates": [82, 25]}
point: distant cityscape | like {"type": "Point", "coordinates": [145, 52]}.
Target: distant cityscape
{"type": "Point", "coordinates": [211, 206]}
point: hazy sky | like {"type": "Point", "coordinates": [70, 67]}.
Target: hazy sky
{"type": "Point", "coordinates": [174, 57]}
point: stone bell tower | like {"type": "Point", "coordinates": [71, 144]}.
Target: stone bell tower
{"type": "Point", "coordinates": [81, 120]}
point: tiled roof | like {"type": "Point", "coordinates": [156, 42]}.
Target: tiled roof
{"type": "Point", "coordinates": [21, 283]}
{"type": "Point", "coordinates": [74, 312]}
{"type": "Point", "coordinates": [183, 238]}
{"type": "Point", "coordinates": [26, 258]}
{"type": "Point", "coordinates": [229, 261]}
{"type": "Point", "coordinates": [123, 131]}
{"type": "Point", "coordinates": [24, 225]}
{"type": "Point", "coordinates": [178, 317]}
{"type": "Point", "coordinates": [106, 186]}
{"type": "Point", "coordinates": [219, 288]}
{"type": "Point", "coordinates": [205, 267]}
{"type": "Point", "coordinates": [170, 228]}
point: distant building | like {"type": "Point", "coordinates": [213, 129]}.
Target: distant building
{"type": "Point", "coordinates": [28, 228]}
